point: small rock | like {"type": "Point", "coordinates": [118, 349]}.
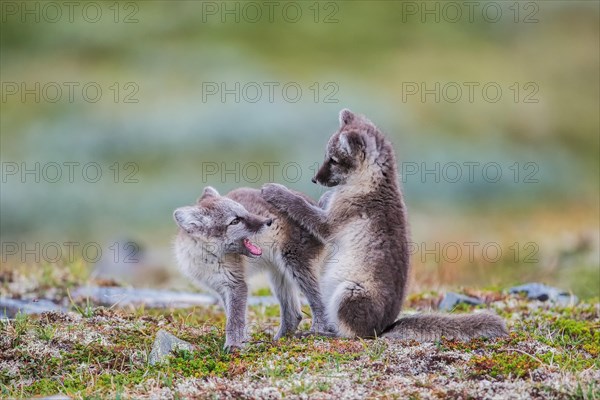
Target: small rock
{"type": "Point", "coordinates": [165, 344]}
{"type": "Point", "coordinates": [266, 301]}
{"type": "Point", "coordinates": [152, 298]}
{"type": "Point", "coordinates": [539, 291]}
{"type": "Point", "coordinates": [11, 307]}
{"type": "Point", "coordinates": [452, 299]}
{"type": "Point", "coordinates": [56, 397]}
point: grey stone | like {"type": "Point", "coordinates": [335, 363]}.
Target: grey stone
{"type": "Point", "coordinates": [121, 296]}
{"type": "Point", "coordinates": [267, 301]}
{"type": "Point", "coordinates": [542, 292]}
{"type": "Point", "coordinates": [152, 298]}
{"type": "Point", "coordinates": [165, 344]}
{"type": "Point", "coordinates": [452, 299]}
{"type": "Point", "coordinates": [59, 396]}
{"type": "Point", "coordinates": [11, 307]}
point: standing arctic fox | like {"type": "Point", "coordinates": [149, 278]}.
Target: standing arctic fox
{"type": "Point", "coordinates": [214, 247]}
{"type": "Point", "coordinates": [364, 218]}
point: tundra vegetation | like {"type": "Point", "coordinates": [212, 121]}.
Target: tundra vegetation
{"type": "Point", "coordinates": [102, 352]}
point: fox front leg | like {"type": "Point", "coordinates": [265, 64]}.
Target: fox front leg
{"type": "Point", "coordinates": [235, 308]}
{"type": "Point", "coordinates": [310, 217]}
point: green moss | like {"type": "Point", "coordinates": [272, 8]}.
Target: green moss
{"type": "Point", "coordinates": [198, 364]}
{"type": "Point", "coordinates": [578, 331]}
{"type": "Point", "coordinates": [196, 316]}
{"type": "Point", "coordinates": [76, 382]}
{"type": "Point", "coordinates": [5, 377]}
{"type": "Point", "coordinates": [569, 360]}
{"type": "Point", "coordinates": [475, 344]}
{"type": "Point", "coordinates": [570, 334]}
{"type": "Point", "coordinates": [46, 332]}
{"type": "Point", "coordinates": [503, 365]}
{"type": "Point", "coordinates": [592, 348]}
{"type": "Point", "coordinates": [262, 292]}
{"type": "Point", "coordinates": [44, 386]}
{"type": "Point", "coordinates": [271, 311]}
{"type": "Point", "coordinates": [462, 307]}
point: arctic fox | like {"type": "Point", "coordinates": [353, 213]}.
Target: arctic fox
{"type": "Point", "coordinates": [219, 235]}
{"type": "Point", "coordinates": [364, 218]}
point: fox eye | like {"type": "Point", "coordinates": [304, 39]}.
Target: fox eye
{"type": "Point", "coordinates": [235, 221]}
{"type": "Point", "coordinates": [333, 160]}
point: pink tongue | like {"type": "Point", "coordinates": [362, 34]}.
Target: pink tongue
{"type": "Point", "coordinates": [252, 248]}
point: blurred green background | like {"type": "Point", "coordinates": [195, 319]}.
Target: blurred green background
{"type": "Point", "coordinates": [159, 124]}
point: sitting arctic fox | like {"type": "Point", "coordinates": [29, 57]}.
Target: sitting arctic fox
{"type": "Point", "coordinates": [364, 218]}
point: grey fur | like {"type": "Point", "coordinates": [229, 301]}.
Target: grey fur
{"type": "Point", "coordinates": [210, 250]}
{"type": "Point", "coordinates": [364, 218]}
{"type": "Point", "coordinates": [432, 327]}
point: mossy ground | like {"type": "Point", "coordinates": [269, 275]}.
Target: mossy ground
{"type": "Point", "coordinates": [97, 352]}
{"type": "Point", "coordinates": [552, 352]}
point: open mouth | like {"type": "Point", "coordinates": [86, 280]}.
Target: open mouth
{"type": "Point", "coordinates": [252, 248]}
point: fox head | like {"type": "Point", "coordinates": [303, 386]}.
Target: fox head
{"type": "Point", "coordinates": [348, 150]}
{"type": "Point", "coordinates": [222, 222]}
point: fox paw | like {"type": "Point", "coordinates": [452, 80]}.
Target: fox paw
{"type": "Point", "coordinates": [233, 347]}
{"type": "Point", "coordinates": [277, 195]}
{"type": "Point", "coordinates": [281, 334]}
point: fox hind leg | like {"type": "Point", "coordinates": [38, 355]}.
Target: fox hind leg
{"type": "Point", "coordinates": [303, 273]}
{"type": "Point", "coordinates": [289, 302]}
{"type": "Point", "coordinates": [355, 311]}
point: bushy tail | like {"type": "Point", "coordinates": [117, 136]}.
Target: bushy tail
{"type": "Point", "coordinates": [431, 327]}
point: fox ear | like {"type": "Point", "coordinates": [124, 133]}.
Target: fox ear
{"type": "Point", "coordinates": [209, 191]}
{"type": "Point", "coordinates": [346, 117]}
{"type": "Point", "coordinates": [351, 142]}
{"type": "Point", "coordinates": [188, 219]}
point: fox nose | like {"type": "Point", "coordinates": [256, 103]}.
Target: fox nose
{"type": "Point", "coordinates": [314, 180]}
{"type": "Point", "coordinates": [269, 222]}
